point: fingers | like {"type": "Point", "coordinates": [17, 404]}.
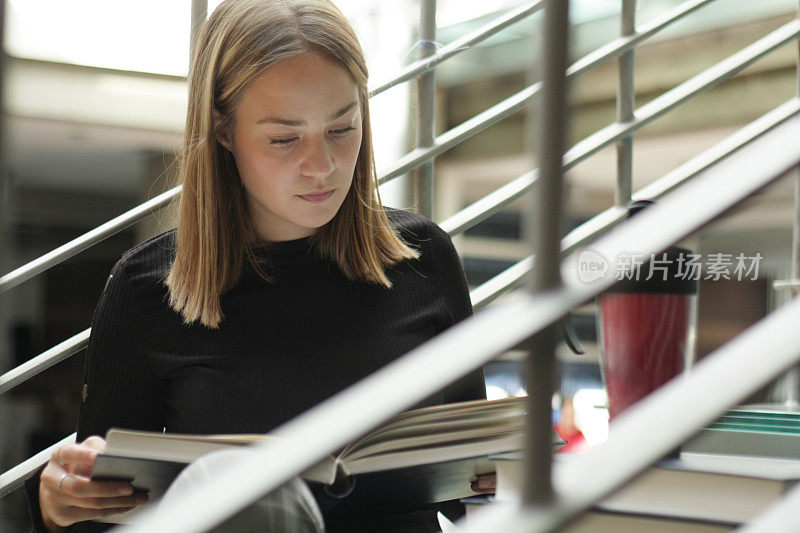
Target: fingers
{"type": "Point", "coordinates": [75, 455]}
{"type": "Point", "coordinates": [57, 456]}
{"type": "Point", "coordinates": [99, 500]}
{"type": "Point", "coordinates": [484, 484]}
{"type": "Point", "coordinates": [78, 498]}
{"type": "Point", "coordinates": [95, 503]}
{"type": "Point", "coordinates": [66, 516]}
{"type": "Point", "coordinates": [96, 443]}
{"type": "Point", "coordinates": [67, 495]}
{"type": "Point", "coordinates": [79, 486]}
{"type": "Point", "coordinates": [79, 458]}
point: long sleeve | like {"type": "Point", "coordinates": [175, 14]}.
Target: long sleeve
{"type": "Point", "coordinates": [285, 345]}
{"type": "Point", "coordinates": [450, 278]}
{"type": "Point", "coordinates": [32, 495]}
{"type": "Point", "coordinates": [119, 388]}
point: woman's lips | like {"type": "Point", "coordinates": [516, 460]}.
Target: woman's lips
{"type": "Point", "coordinates": [316, 197]}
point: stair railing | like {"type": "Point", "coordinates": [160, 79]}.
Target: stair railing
{"type": "Point", "coordinates": [586, 148]}
{"type": "Point", "coordinates": [612, 134]}
{"type": "Point", "coordinates": [639, 437]}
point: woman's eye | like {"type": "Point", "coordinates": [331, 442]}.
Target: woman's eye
{"type": "Point", "coordinates": [341, 132]}
{"type": "Point", "coordinates": [284, 141]}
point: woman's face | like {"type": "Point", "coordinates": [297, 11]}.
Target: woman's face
{"type": "Point", "coordinates": [295, 136]}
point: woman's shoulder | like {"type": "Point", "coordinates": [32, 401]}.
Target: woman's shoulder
{"type": "Point", "coordinates": [413, 228]}
{"type": "Point", "coordinates": [149, 261]}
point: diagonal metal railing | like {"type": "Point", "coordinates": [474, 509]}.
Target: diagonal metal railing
{"type": "Point", "coordinates": [499, 198]}
{"type": "Point", "coordinates": [131, 217]}
{"type": "Point", "coordinates": [475, 213]}
{"type": "Point", "coordinates": [515, 274]}
{"type": "Point", "coordinates": [460, 45]}
{"type": "Point", "coordinates": [660, 423]}
{"type": "Point", "coordinates": [481, 295]}
{"type": "Point", "coordinates": [87, 240]}
{"type": "Point", "coordinates": [16, 476]}
{"type": "Point", "coordinates": [308, 438]}
{"type": "Point", "coordinates": [407, 163]}
{"type": "Point", "coordinates": [43, 361]}
{"type": "Point", "coordinates": [482, 209]}
{"type": "Point", "coordinates": [581, 151]}
{"type": "Point", "coordinates": [605, 136]}
{"type": "Point", "coordinates": [503, 282]}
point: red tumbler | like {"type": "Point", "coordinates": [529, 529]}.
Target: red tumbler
{"type": "Point", "coordinates": [644, 342]}
{"type": "Point", "coordinates": [645, 323]}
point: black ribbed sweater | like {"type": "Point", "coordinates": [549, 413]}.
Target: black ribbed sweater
{"type": "Point", "coordinates": [283, 346]}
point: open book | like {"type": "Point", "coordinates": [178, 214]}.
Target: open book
{"type": "Point", "coordinates": [438, 449]}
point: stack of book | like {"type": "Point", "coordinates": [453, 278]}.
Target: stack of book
{"type": "Point", "coordinates": [696, 493]}
{"type": "Point", "coordinates": [759, 430]}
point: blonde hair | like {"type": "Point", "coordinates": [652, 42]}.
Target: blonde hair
{"type": "Point", "coordinates": [214, 237]}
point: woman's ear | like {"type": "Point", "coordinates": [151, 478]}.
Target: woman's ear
{"type": "Point", "coordinates": [222, 132]}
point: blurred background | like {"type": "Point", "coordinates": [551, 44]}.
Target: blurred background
{"type": "Point", "coordinates": [94, 100]}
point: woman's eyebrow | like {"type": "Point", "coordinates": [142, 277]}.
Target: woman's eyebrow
{"type": "Point", "coordinates": [344, 110]}
{"type": "Point", "coordinates": [289, 122]}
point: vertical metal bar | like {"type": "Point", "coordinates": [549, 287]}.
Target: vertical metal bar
{"type": "Point", "coordinates": [426, 109]}
{"type": "Point", "coordinates": [625, 106]}
{"type": "Point", "coordinates": [5, 245]}
{"type": "Point", "coordinates": [792, 380]}
{"type": "Point", "coordinates": [199, 15]}
{"type": "Point", "coordinates": [795, 274]}
{"type": "Point", "coordinates": [795, 268]}
{"type": "Point", "coordinates": [545, 234]}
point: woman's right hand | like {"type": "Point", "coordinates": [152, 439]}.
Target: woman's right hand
{"type": "Point", "coordinates": [67, 495]}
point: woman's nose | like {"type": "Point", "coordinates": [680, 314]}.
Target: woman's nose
{"type": "Point", "coordinates": [317, 160]}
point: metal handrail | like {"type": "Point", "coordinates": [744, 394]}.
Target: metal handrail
{"type": "Point", "coordinates": [519, 100]}
{"type": "Point", "coordinates": [516, 15]}
{"type": "Point", "coordinates": [443, 142]}
{"type": "Point", "coordinates": [15, 477]}
{"type": "Point", "coordinates": [407, 163]}
{"type": "Point", "coordinates": [686, 171]}
{"type": "Point", "coordinates": [306, 439]}
{"type": "Point", "coordinates": [668, 101]}
{"type": "Point", "coordinates": [671, 99]}
{"type": "Point", "coordinates": [602, 222]}
{"type": "Point", "coordinates": [461, 44]}
{"type": "Point", "coordinates": [610, 50]}
{"type": "Point", "coordinates": [127, 219]}
{"type": "Point", "coordinates": [490, 204]}
{"type": "Point", "coordinates": [87, 240]}
{"type": "Point", "coordinates": [660, 423]}
{"type": "Point", "coordinates": [43, 361]}
{"type": "Point", "coordinates": [730, 144]}
{"type": "Point", "coordinates": [482, 209]}
{"type": "Point", "coordinates": [499, 198]}
{"type": "Point", "coordinates": [675, 412]}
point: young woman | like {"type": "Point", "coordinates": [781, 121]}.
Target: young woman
{"type": "Point", "coordinates": [285, 281]}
